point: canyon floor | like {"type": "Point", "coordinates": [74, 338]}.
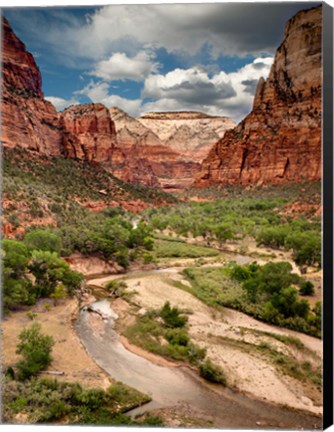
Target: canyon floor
{"type": "Point", "coordinates": [232, 340]}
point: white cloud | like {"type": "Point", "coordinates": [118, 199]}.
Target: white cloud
{"type": "Point", "coordinates": [223, 93]}
{"type": "Point", "coordinates": [119, 67]}
{"type": "Point", "coordinates": [99, 92]}
{"type": "Point", "coordinates": [59, 103]}
{"type": "Point", "coordinates": [190, 85]}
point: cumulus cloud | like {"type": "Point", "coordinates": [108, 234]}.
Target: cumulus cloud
{"type": "Point", "coordinates": [223, 93]}
{"type": "Point", "coordinates": [100, 92]}
{"type": "Point", "coordinates": [121, 67]}
{"type": "Point", "coordinates": [189, 85]}
{"type": "Point", "coordinates": [59, 103]}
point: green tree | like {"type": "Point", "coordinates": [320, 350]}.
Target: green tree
{"type": "Point", "coordinates": [273, 236]}
{"type": "Point", "coordinates": [15, 257]}
{"type": "Point", "coordinates": [224, 231]}
{"type": "Point", "coordinates": [48, 270]}
{"type": "Point", "coordinates": [44, 240]}
{"type": "Point", "coordinates": [16, 292]}
{"type": "Point", "coordinates": [35, 349]}
{"type": "Point", "coordinates": [17, 288]}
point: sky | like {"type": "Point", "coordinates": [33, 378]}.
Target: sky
{"type": "Point", "coordinates": [155, 57]}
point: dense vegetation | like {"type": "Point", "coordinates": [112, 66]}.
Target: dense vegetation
{"type": "Point", "coordinates": [40, 187]}
{"type": "Point", "coordinates": [269, 293]}
{"type": "Point", "coordinates": [309, 191]}
{"type": "Point", "coordinates": [69, 178]}
{"type": "Point", "coordinates": [50, 401]}
{"type": "Point", "coordinates": [29, 274]}
{"type": "Point", "coordinates": [234, 219]}
{"type": "Point", "coordinates": [109, 235]}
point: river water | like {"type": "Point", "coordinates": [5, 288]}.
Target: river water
{"type": "Point", "coordinates": [170, 386]}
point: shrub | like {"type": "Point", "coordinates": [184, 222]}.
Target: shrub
{"type": "Point", "coordinates": [172, 316]}
{"type": "Point", "coordinates": [116, 288]}
{"type": "Point", "coordinates": [35, 349]}
{"type": "Point", "coordinates": [306, 288]}
{"type": "Point", "coordinates": [177, 337]}
{"type": "Point", "coordinates": [212, 372]}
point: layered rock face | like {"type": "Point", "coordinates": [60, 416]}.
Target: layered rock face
{"type": "Point", "coordinates": [191, 134]}
{"type": "Point", "coordinates": [171, 144]}
{"type": "Point", "coordinates": [280, 140]}
{"type": "Point", "coordinates": [89, 134]}
{"type": "Point", "coordinates": [157, 164]}
{"type": "Point", "coordinates": [28, 120]}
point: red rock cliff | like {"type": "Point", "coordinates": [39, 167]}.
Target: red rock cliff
{"type": "Point", "coordinates": [28, 120]}
{"type": "Point", "coordinates": [280, 140]}
{"type": "Point", "coordinates": [89, 134]}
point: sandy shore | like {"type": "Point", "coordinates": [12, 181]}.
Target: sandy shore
{"type": "Point", "coordinates": [68, 353]}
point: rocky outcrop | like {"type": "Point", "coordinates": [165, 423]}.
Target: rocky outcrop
{"type": "Point", "coordinates": [174, 146]}
{"type": "Point", "coordinates": [28, 120]}
{"type": "Point", "coordinates": [280, 140]}
{"type": "Point", "coordinates": [89, 134]}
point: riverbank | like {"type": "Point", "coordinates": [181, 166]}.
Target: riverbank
{"type": "Point", "coordinates": [69, 355]}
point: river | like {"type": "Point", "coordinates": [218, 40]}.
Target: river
{"type": "Point", "coordinates": [171, 386]}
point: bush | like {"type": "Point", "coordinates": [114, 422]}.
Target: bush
{"type": "Point", "coordinates": [172, 316]}
{"type": "Point", "coordinates": [35, 349]}
{"type": "Point", "coordinates": [306, 288]}
{"type": "Point", "coordinates": [177, 337]}
{"type": "Point", "coordinates": [212, 372]}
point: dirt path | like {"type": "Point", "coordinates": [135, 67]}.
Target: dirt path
{"type": "Point", "coordinates": [230, 341]}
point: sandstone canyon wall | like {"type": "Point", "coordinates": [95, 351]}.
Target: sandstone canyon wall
{"type": "Point", "coordinates": [28, 120]}
{"type": "Point", "coordinates": [89, 134]}
{"type": "Point", "coordinates": [280, 140]}
{"type": "Point", "coordinates": [173, 143]}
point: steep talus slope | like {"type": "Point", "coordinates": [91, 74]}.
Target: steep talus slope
{"type": "Point", "coordinates": [28, 120]}
{"type": "Point", "coordinates": [280, 140]}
